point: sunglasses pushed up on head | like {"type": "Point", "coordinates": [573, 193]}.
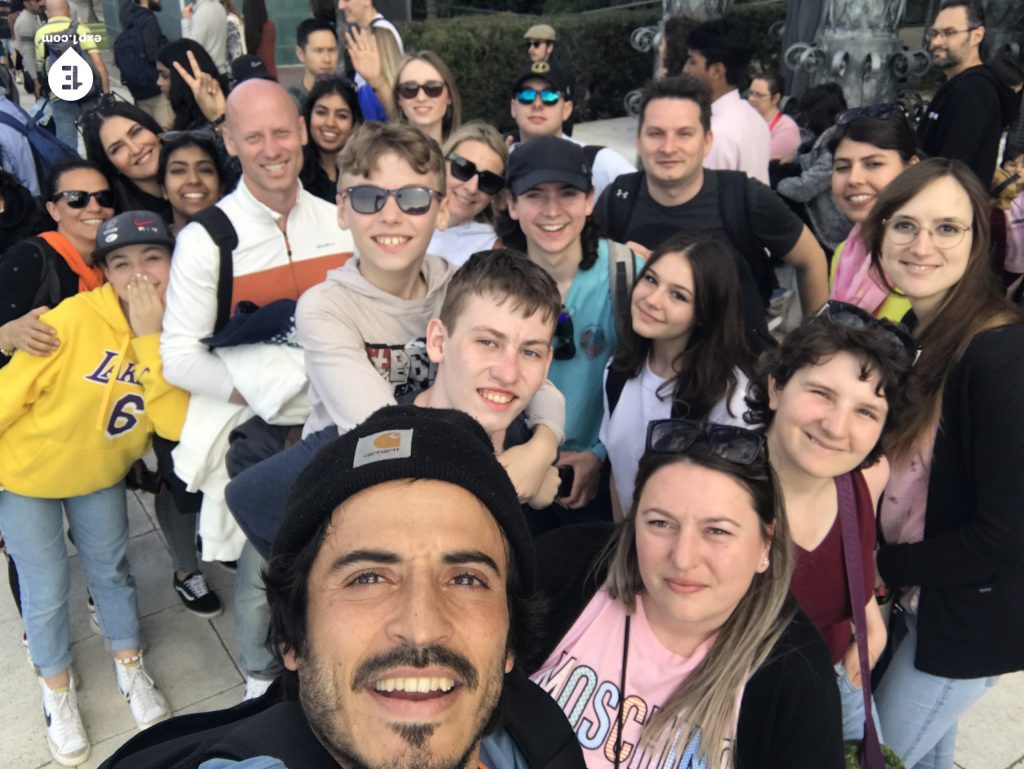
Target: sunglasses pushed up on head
{"type": "Point", "coordinates": [853, 317]}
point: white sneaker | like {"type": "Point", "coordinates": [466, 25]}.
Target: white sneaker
{"type": "Point", "coordinates": [65, 732]}
{"type": "Point", "coordinates": [148, 705]}
{"type": "Point", "coordinates": [255, 687]}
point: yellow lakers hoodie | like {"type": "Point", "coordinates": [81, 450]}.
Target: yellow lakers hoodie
{"type": "Point", "coordinates": [72, 423]}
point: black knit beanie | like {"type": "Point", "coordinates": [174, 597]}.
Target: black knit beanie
{"type": "Point", "coordinates": [407, 442]}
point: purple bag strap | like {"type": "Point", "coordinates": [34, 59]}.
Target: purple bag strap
{"type": "Point", "coordinates": [870, 749]}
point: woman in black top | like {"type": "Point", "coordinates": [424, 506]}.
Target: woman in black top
{"type": "Point", "coordinates": [332, 112]}
{"type": "Point", "coordinates": [951, 514]}
{"type": "Point", "coordinates": [38, 272]}
{"type": "Point", "coordinates": [124, 142]}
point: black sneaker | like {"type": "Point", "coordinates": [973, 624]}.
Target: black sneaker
{"type": "Point", "coordinates": [196, 595]}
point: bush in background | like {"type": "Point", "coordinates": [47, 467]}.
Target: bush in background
{"type": "Point", "coordinates": [486, 53]}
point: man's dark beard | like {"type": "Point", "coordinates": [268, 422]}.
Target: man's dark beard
{"type": "Point", "coordinates": [323, 709]}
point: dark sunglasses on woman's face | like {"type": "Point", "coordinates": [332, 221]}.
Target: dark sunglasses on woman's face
{"type": "Point", "coordinates": [733, 444]}
{"type": "Point", "coordinates": [80, 199]}
{"type": "Point", "coordinates": [369, 198]}
{"type": "Point", "coordinates": [464, 170]}
{"type": "Point", "coordinates": [432, 88]}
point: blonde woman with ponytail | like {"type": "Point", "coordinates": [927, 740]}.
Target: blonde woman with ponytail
{"type": "Point", "coordinates": [676, 643]}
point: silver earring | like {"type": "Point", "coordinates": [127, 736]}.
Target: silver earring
{"type": "Point", "coordinates": [765, 563]}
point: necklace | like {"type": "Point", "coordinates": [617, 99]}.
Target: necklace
{"type": "Point", "coordinates": [622, 692]}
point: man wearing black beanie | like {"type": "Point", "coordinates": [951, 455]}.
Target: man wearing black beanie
{"type": "Point", "coordinates": [401, 591]}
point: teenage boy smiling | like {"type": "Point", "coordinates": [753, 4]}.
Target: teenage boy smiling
{"type": "Point", "coordinates": [362, 329]}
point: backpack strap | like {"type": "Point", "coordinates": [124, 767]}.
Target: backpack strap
{"type": "Point", "coordinates": [614, 384]}
{"type": "Point", "coordinates": [622, 194]}
{"type": "Point", "coordinates": [621, 274]}
{"type": "Point", "coordinates": [47, 294]}
{"type": "Point", "coordinates": [222, 232]}
{"type": "Point", "coordinates": [590, 155]}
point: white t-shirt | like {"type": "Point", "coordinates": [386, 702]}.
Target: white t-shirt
{"type": "Point", "coordinates": [624, 433]}
{"type": "Point", "coordinates": [457, 244]}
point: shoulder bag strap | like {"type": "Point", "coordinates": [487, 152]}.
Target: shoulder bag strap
{"type": "Point", "coordinates": [222, 233]}
{"type": "Point", "coordinates": [870, 749]}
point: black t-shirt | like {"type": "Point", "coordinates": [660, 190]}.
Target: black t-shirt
{"type": "Point", "coordinates": [772, 223]}
{"type": "Point", "coordinates": [773, 232]}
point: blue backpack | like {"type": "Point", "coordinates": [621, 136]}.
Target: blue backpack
{"type": "Point", "coordinates": [47, 149]}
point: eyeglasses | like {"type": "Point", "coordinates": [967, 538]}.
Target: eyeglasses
{"type": "Point", "coordinates": [464, 170]}
{"type": "Point", "coordinates": [877, 111]}
{"type": "Point", "coordinates": [945, 235]}
{"type": "Point", "coordinates": [945, 34]}
{"type": "Point", "coordinates": [733, 444]}
{"type": "Point", "coordinates": [202, 134]}
{"type": "Point", "coordinates": [369, 198]}
{"type": "Point", "coordinates": [536, 43]}
{"type": "Point", "coordinates": [80, 198]}
{"type": "Point", "coordinates": [853, 317]}
{"type": "Point", "coordinates": [548, 96]}
{"type": "Point", "coordinates": [563, 343]}
{"type": "Point", "coordinates": [432, 88]}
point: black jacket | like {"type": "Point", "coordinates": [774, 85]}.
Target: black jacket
{"type": "Point", "coordinates": [966, 119]}
{"type": "Point", "coordinates": [275, 725]}
{"type": "Point", "coordinates": [970, 565]}
{"type": "Point", "coordinates": [790, 716]}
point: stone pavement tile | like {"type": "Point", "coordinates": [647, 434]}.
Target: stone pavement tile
{"type": "Point", "coordinates": [151, 567]}
{"type": "Point", "coordinates": [991, 734]}
{"type": "Point", "coordinates": [23, 728]}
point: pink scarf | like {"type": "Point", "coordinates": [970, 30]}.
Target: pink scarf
{"type": "Point", "coordinates": [856, 280]}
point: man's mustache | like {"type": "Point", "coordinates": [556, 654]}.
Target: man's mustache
{"type": "Point", "coordinates": [415, 657]}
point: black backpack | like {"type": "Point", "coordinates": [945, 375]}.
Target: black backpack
{"type": "Point", "coordinates": [220, 229]}
{"type": "Point", "coordinates": [733, 209]}
{"type": "Point", "coordinates": [138, 74]}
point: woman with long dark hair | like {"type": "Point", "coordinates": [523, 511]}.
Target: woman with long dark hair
{"type": "Point", "coordinates": [683, 353]}
{"type": "Point", "coordinates": [190, 174]}
{"type": "Point", "coordinates": [950, 517]}
{"type": "Point", "coordinates": [332, 113]}
{"type": "Point", "coordinates": [868, 152]}
{"type": "Point", "coordinates": [187, 111]}
{"type": "Point", "coordinates": [124, 142]}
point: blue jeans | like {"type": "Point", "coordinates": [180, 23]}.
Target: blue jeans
{"type": "Point", "coordinates": [919, 711]}
{"type": "Point", "coordinates": [252, 617]}
{"type": "Point", "coordinates": [34, 531]}
{"type": "Point", "coordinates": [65, 113]}
{"type": "Point", "coordinates": [852, 700]}
{"type": "Point", "coordinates": [258, 496]}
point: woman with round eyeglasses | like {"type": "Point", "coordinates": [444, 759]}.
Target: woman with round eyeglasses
{"type": "Point", "coordinates": [426, 96]}
{"type": "Point", "coordinates": [40, 272]}
{"type": "Point", "coordinates": [765, 95]}
{"type": "Point", "coordinates": [828, 396]}
{"type": "Point", "coordinates": [953, 533]}
{"type": "Point", "coordinates": [124, 142]}
{"type": "Point", "coordinates": [476, 157]}
{"type": "Point", "coordinates": [868, 151]}
{"type": "Point", "coordinates": [677, 643]}
{"type": "Point", "coordinates": [332, 112]}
